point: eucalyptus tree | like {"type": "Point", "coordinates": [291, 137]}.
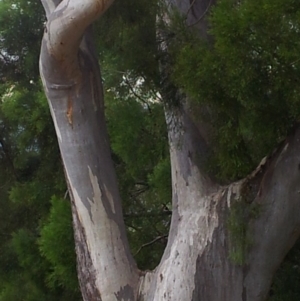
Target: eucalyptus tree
{"type": "Point", "coordinates": [223, 239]}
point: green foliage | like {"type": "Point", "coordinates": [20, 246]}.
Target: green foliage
{"type": "Point", "coordinates": [136, 126]}
{"type": "Point", "coordinates": [30, 174]}
{"type": "Point", "coordinates": [18, 291]}
{"type": "Point", "coordinates": [126, 38]}
{"type": "Point", "coordinates": [25, 248]}
{"type": "Point", "coordinates": [139, 143]}
{"type": "Point", "coordinates": [247, 79]}
{"type": "Point", "coordinates": [21, 27]}
{"type": "Point", "coordinates": [159, 180]}
{"type": "Point", "coordinates": [57, 231]}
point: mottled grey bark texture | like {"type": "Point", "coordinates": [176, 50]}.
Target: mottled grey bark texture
{"type": "Point", "coordinates": [196, 264]}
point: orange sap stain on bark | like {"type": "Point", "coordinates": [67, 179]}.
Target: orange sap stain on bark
{"type": "Point", "coordinates": [70, 111]}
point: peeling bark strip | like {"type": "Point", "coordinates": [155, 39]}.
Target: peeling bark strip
{"type": "Point", "coordinates": [196, 264]}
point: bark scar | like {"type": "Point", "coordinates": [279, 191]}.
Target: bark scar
{"type": "Point", "coordinates": [70, 111]}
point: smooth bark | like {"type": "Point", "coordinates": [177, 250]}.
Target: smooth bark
{"type": "Point", "coordinates": [196, 264]}
{"type": "Point", "coordinates": [72, 81]}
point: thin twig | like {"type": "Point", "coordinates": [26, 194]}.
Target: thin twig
{"type": "Point", "coordinates": [137, 95]}
{"type": "Point", "coordinates": [66, 194]}
{"type": "Point", "coordinates": [203, 15]}
{"type": "Point", "coordinates": [150, 243]}
{"type": "Point", "coordinates": [148, 214]}
{"type": "Point", "coordinates": [190, 8]}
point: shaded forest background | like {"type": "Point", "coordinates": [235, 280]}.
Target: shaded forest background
{"type": "Point", "coordinates": [247, 77]}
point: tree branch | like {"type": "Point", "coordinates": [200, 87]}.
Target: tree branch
{"type": "Point", "coordinates": [49, 6]}
{"type": "Point", "coordinates": [277, 225]}
{"type": "Point", "coordinates": [203, 15]}
{"type": "Point", "coordinates": [65, 16]}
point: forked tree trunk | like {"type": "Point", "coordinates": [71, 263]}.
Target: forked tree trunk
{"type": "Point", "coordinates": [196, 264]}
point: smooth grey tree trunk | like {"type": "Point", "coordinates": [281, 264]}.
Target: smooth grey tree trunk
{"type": "Point", "coordinates": [196, 264]}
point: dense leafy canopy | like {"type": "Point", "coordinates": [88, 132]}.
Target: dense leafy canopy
{"type": "Point", "coordinates": [247, 80]}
